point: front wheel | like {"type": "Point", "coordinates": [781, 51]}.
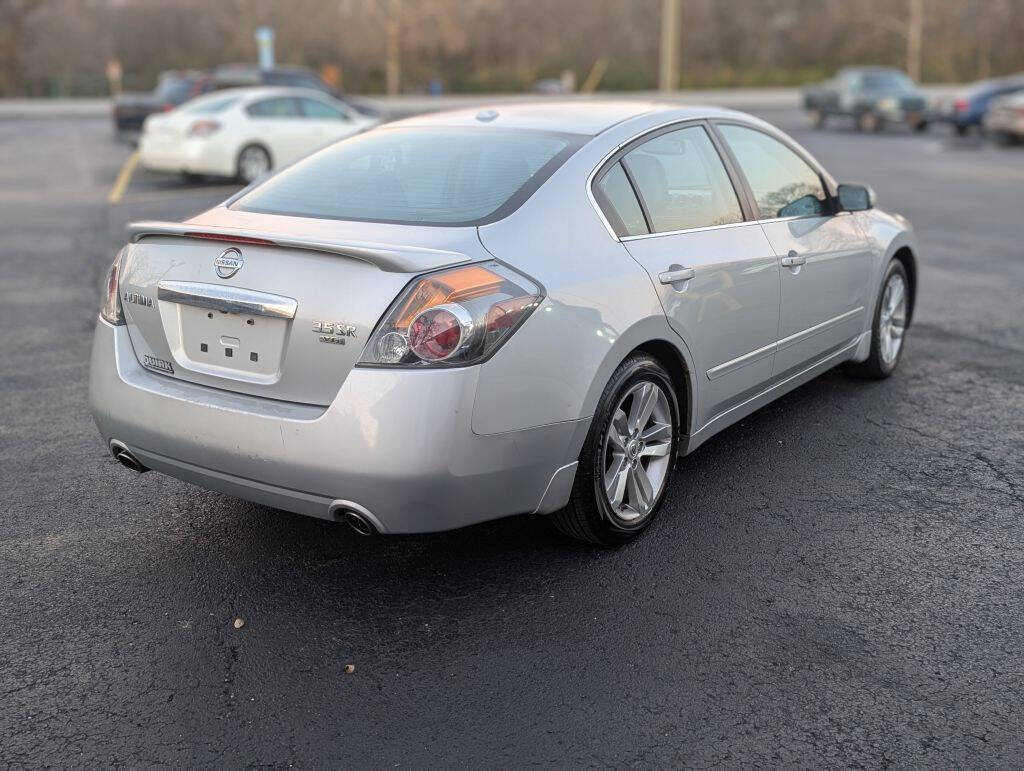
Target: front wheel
{"type": "Point", "coordinates": [889, 328]}
{"type": "Point", "coordinates": [627, 458]}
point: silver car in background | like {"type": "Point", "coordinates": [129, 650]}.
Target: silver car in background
{"type": "Point", "coordinates": [474, 314]}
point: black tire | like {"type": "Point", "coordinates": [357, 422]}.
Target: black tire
{"type": "Point", "coordinates": [869, 122]}
{"type": "Point", "coordinates": [876, 367]}
{"type": "Point", "coordinates": [921, 126]}
{"type": "Point", "coordinates": [960, 129]}
{"type": "Point", "coordinates": [244, 171]}
{"type": "Point", "coordinates": [1004, 138]}
{"type": "Point", "coordinates": [589, 515]}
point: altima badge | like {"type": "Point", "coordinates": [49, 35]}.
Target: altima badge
{"type": "Point", "coordinates": [229, 262]}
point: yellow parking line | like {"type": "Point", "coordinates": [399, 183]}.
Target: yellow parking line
{"type": "Point", "coordinates": [124, 176]}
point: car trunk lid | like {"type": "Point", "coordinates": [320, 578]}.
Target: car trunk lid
{"type": "Point", "coordinates": [263, 311]}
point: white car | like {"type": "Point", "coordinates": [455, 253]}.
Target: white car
{"type": "Point", "coordinates": [246, 132]}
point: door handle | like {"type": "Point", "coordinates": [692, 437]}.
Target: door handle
{"type": "Point", "coordinates": [677, 275]}
{"type": "Point", "coordinates": [793, 260]}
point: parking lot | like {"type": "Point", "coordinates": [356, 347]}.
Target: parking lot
{"type": "Point", "coordinates": [839, 579]}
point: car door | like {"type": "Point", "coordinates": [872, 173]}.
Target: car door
{"type": "Point", "coordinates": [679, 216]}
{"type": "Point", "coordinates": [277, 123]}
{"type": "Point", "coordinates": [327, 122]}
{"type": "Point", "coordinates": [826, 263]}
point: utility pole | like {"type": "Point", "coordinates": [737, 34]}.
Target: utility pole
{"type": "Point", "coordinates": [915, 23]}
{"type": "Point", "coordinates": [668, 75]}
{"type": "Point", "coordinates": [392, 68]}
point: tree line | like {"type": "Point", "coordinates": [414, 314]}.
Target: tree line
{"type": "Point", "coordinates": [62, 47]}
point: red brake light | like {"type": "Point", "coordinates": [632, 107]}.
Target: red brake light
{"type": "Point", "coordinates": [167, 107]}
{"type": "Point", "coordinates": [203, 128]}
{"type": "Point", "coordinates": [228, 237]}
{"type": "Point", "coordinates": [961, 105]}
{"type": "Point", "coordinates": [437, 332]}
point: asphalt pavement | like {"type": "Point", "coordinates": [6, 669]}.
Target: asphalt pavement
{"type": "Point", "coordinates": [837, 580]}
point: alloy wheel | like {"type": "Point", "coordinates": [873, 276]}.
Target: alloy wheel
{"type": "Point", "coordinates": [637, 451]}
{"type": "Point", "coordinates": [892, 321]}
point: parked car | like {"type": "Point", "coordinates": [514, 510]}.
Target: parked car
{"type": "Point", "coordinates": [967, 109]}
{"type": "Point", "coordinates": [242, 75]}
{"type": "Point", "coordinates": [131, 109]}
{"type": "Point", "coordinates": [467, 315]}
{"type": "Point", "coordinates": [1004, 121]}
{"type": "Point", "coordinates": [872, 96]}
{"type": "Point", "coordinates": [246, 133]}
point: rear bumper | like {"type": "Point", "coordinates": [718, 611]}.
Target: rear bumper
{"type": "Point", "coordinates": [195, 156]}
{"type": "Point", "coordinates": [398, 445]}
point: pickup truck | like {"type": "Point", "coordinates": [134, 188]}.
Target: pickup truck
{"type": "Point", "coordinates": [873, 96]}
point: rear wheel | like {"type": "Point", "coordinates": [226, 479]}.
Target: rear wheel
{"type": "Point", "coordinates": [253, 163]}
{"type": "Point", "coordinates": [890, 325]}
{"type": "Point", "coordinates": [627, 459]}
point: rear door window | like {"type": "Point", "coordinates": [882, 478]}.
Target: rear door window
{"type": "Point", "coordinates": [682, 181]}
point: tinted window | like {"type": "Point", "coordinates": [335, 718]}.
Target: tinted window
{"type": "Point", "coordinates": [210, 105]}
{"type": "Point", "coordinates": [783, 183]}
{"type": "Point", "coordinates": [174, 90]}
{"type": "Point", "coordinates": [302, 79]}
{"type": "Point", "coordinates": [682, 181]}
{"type": "Point", "coordinates": [618, 201]}
{"type": "Point", "coordinates": [282, 107]}
{"type": "Point", "coordinates": [426, 176]}
{"type": "Point", "coordinates": [887, 81]}
{"type": "Point", "coordinates": [314, 108]}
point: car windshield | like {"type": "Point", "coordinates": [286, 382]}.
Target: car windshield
{"type": "Point", "coordinates": [174, 90]}
{"type": "Point", "coordinates": [887, 81]}
{"type": "Point", "coordinates": [420, 176]}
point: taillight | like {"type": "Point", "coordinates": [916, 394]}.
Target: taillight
{"type": "Point", "coordinates": [203, 128]}
{"type": "Point", "coordinates": [961, 105]}
{"type": "Point", "coordinates": [167, 107]}
{"type": "Point", "coordinates": [110, 308]}
{"type": "Point", "coordinates": [453, 318]}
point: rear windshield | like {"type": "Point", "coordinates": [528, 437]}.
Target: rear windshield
{"type": "Point", "coordinates": [210, 104]}
{"type": "Point", "coordinates": [417, 176]}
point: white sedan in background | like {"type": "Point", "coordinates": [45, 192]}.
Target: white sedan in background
{"type": "Point", "coordinates": [246, 132]}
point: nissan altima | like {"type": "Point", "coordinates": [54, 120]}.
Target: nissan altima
{"type": "Point", "coordinates": [246, 132]}
{"type": "Point", "coordinates": [528, 309]}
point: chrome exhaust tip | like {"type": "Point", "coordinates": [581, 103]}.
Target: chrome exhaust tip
{"type": "Point", "coordinates": [346, 512]}
{"type": "Point", "coordinates": [360, 524]}
{"type": "Point", "coordinates": [125, 457]}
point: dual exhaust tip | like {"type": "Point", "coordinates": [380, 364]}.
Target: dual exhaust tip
{"type": "Point", "coordinates": [126, 458]}
{"type": "Point", "coordinates": [356, 520]}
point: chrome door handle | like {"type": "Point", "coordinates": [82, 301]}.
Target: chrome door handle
{"type": "Point", "coordinates": [675, 276]}
{"type": "Point", "coordinates": [793, 260]}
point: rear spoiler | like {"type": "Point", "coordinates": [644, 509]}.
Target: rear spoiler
{"type": "Point", "coordinates": [390, 258]}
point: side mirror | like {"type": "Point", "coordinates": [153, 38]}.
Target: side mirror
{"type": "Point", "coordinates": [855, 197]}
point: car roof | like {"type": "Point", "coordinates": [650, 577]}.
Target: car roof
{"type": "Point", "coordinates": [574, 116]}
{"type": "Point", "coordinates": [248, 93]}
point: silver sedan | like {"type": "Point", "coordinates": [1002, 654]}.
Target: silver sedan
{"type": "Point", "coordinates": [463, 316]}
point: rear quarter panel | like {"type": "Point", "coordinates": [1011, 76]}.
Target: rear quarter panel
{"type": "Point", "coordinates": [600, 304]}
